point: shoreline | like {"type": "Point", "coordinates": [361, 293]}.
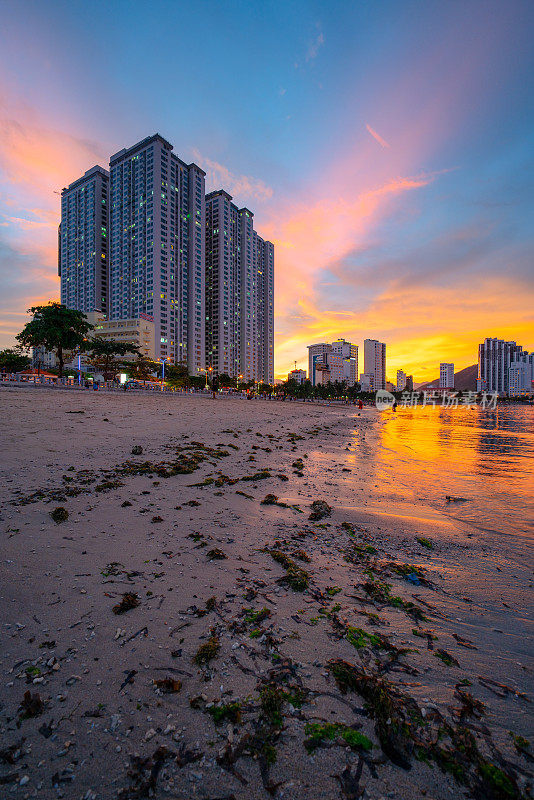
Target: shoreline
{"type": "Point", "coordinates": [149, 534]}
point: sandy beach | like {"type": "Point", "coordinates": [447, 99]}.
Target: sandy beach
{"type": "Point", "coordinates": [191, 625]}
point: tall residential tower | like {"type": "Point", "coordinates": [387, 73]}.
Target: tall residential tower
{"type": "Point", "coordinates": [157, 219]}
{"type": "Point", "coordinates": [239, 292]}
{"type": "Point", "coordinates": [374, 355]}
{"type": "Point", "coordinates": [83, 242]}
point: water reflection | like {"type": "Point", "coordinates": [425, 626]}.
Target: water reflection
{"type": "Point", "coordinates": [425, 454]}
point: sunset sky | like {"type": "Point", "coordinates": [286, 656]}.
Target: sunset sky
{"type": "Point", "coordinates": [386, 148]}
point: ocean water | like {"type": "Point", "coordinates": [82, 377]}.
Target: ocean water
{"type": "Point", "coordinates": [480, 458]}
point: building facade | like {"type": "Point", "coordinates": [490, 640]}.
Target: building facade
{"type": "Point", "coordinates": [83, 252]}
{"type": "Point", "coordinates": [157, 224]}
{"type": "Point", "coordinates": [446, 376]}
{"type": "Point", "coordinates": [298, 375]}
{"type": "Point", "coordinates": [374, 354]}
{"type": "Point", "coordinates": [401, 380]}
{"type": "Point", "coordinates": [135, 243]}
{"type": "Point", "coordinates": [317, 355]}
{"type": "Point", "coordinates": [494, 359]}
{"type": "Point", "coordinates": [140, 332]}
{"type": "Point", "coordinates": [239, 293]}
{"type": "Point", "coordinates": [521, 375]}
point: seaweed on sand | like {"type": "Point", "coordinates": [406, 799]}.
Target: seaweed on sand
{"type": "Point", "coordinates": [405, 733]}
{"type": "Point", "coordinates": [296, 577]}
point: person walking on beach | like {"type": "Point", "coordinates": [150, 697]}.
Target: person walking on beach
{"type": "Point", "coordinates": [214, 387]}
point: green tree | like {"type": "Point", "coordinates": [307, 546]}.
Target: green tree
{"type": "Point", "coordinates": [225, 381]}
{"type": "Point", "coordinates": [103, 354]}
{"type": "Point", "coordinates": [177, 375]}
{"type": "Point", "coordinates": [141, 369]}
{"type": "Point", "coordinates": [13, 360]}
{"type": "Point", "coordinates": [55, 327]}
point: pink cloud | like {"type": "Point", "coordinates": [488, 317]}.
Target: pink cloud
{"type": "Point", "coordinates": [377, 136]}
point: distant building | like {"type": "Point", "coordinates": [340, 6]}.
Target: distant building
{"type": "Point", "coordinates": [409, 383]}
{"type": "Point", "coordinates": [340, 359]}
{"type": "Point", "coordinates": [401, 380]}
{"type": "Point", "coordinates": [521, 375]}
{"type": "Point", "coordinates": [374, 354]}
{"type": "Point", "coordinates": [343, 362]}
{"type": "Point", "coordinates": [43, 359]}
{"type": "Point", "coordinates": [317, 355]}
{"type": "Point", "coordinates": [83, 250]}
{"type": "Point", "coordinates": [494, 359]}
{"type": "Point", "coordinates": [298, 375]}
{"type": "Point", "coordinates": [322, 374]}
{"type": "Point", "coordinates": [366, 382]}
{"type": "Point", "coordinates": [446, 376]}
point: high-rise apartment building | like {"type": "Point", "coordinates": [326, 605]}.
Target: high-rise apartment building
{"type": "Point", "coordinates": [83, 242]}
{"type": "Point", "coordinates": [494, 359]}
{"type": "Point", "coordinates": [401, 380]}
{"type": "Point", "coordinates": [333, 362]}
{"type": "Point", "coordinates": [239, 293]}
{"type": "Point", "coordinates": [264, 270]}
{"type": "Point", "coordinates": [343, 362]}
{"type": "Point", "coordinates": [374, 354]}
{"type": "Point", "coordinates": [446, 376]}
{"type": "Point", "coordinates": [521, 375]}
{"type": "Point", "coordinates": [136, 244]}
{"type": "Point", "coordinates": [157, 224]}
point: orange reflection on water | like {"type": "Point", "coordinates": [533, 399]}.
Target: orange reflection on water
{"type": "Point", "coordinates": [424, 455]}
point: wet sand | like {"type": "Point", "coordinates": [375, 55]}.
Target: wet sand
{"type": "Point", "coordinates": [225, 678]}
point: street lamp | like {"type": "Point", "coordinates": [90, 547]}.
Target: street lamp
{"type": "Point", "coordinates": [163, 361]}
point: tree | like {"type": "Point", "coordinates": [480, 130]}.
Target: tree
{"type": "Point", "coordinates": [55, 327]}
{"type": "Point", "coordinates": [103, 354]}
{"type": "Point", "coordinates": [225, 381]}
{"type": "Point", "coordinates": [13, 360]}
{"type": "Point", "coordinates": [177, 375]}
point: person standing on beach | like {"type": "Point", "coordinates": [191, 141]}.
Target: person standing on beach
{"type": "Point", "coordinates": [214, 387]}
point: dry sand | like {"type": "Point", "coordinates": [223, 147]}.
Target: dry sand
{"type": "Point", "coordinates": [96, 723]}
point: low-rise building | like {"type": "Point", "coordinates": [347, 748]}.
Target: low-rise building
{"type": "Point", "coordinates": [366, 382]}
{"type": "Point", "coordinates": [140, 332]}
{"type": "Point", "coordinates": [298, 375]}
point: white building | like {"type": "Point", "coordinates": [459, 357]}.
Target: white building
{"type": "Point", "coordinates": [446, 376]}
{"type": "Point", "coordinates": [521, 375]}
{"type": "Point", "coordinates": [494, 359]}
{"type": "Point", "coordinates": [366, 382]}
{"type": "Point", "coordinates": [239, 292]}
{"type": "Point", "coordinates": [374, 353]}
{"type": "Point", "coordinates": [298, 375]}
{"type": "Point", "coordinates": [343, 362]}
{"type": "Point", "coordinates": [83, 242]}
{"type": "Point", "coordinates": [140, 332]}
{"type": "Point", "coordinates": [157, 224]}
{"type": "Point", "coordinates": [401, 380]}
{"type": "Point", "coordinates": [339, 359]}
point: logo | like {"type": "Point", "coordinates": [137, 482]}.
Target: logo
{"type": "Point", "coordinates": [384, 399]}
